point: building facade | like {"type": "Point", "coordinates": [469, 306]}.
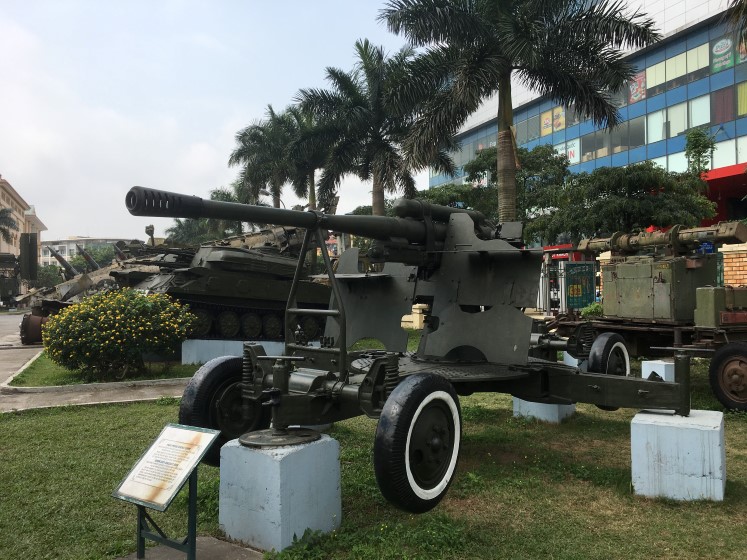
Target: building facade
{"type": "Point", "coordinates": [68, 247]}
{"type": "Point", "coordinates": [695, 77]}
{"type": "Point", "coordinates": [24, 216]}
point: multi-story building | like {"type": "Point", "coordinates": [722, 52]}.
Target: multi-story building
{"type": "Point", "coordinates": [68, 247]}
{"type": "Point", "coordinates": [695, 77]}
{"type": "Point", "coordinates": [24, 216]}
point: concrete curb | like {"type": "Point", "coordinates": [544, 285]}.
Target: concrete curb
{"type": "Point", "coordinates": [20, 370]}
{"type": "Point", "coordinates": [96, 387]}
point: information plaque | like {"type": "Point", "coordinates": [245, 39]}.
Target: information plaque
{"type": "Point", "coordinates": [165, 466]}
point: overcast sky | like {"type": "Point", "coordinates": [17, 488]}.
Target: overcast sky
{"type": "Point", "coordinates": [97, 96]}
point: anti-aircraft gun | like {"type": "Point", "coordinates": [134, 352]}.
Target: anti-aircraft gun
{"type": "Point", "coordinates": [661, 292]}
{"type": "Point", "coordinates": [474, 277]}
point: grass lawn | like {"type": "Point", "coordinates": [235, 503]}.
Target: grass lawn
{"type": "Point", "coordinates": [43, 372]}
{"type": "Point", "coordinates": [523, 490]}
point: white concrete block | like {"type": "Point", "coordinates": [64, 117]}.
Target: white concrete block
{"type": "Point", "coordinates": [268, 496]}
{"type": "Point", "coordinates": [553, 413]}
{"type": "Point", "coordinates": [665, 368]}
{"type": "Point", "coordinates": [571, 361]}
{"type": "Point", "coordinates": [677, 457]}
{"type": "Point", "coordinates": [198, 351]}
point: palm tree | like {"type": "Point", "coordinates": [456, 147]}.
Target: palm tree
{"type": "Point", "coordinates": [7, 223]}
{"type": "Point", "coordinates": [737, 17]}
{"type": "Point", "coordinates": [367, 124]}
{"type": "Point", "coordinates": [261, 153]}
{"type": "Point", "coordinates": [568, 50]}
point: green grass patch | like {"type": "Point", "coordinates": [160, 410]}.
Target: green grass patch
{"type": "Point", "coordinates": [523, 490]}
{"type": "Point", "coordinates": [43, 372]}
{"type": "Point", "coordinates": [413, 339]}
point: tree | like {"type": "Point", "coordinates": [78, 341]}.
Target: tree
{"type": "Point", "coordinates": [614, 199]}
{"type": "Point", "coordinates": [737, 17]}
{"type": "Point", "coordinates": [567, 50]}
{"type": "Point", "coordinates": [369, 124]}
{"type": "Point", "coordinates": [261, 152]}
{"type": "Point", "coordinates": [48, 276]}
{"type": "Point", "coordinates": [7, 223]}
{"type": "Point", "coordinates": [699, 146]}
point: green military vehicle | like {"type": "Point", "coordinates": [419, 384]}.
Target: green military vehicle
{"type": "Point", "coordinates": [660, 292]}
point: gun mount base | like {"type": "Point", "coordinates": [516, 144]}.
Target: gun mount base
{"type": "Point", "coordinates": [278, 438]}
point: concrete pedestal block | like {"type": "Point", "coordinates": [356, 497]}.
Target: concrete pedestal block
{"type": "Point", "coordinates": [571, 361]}
{"type": "Point", "coordinates": [553, 413]}
{"type": "Point", "coordinates": [677, 457]}
{"type": "Point", "coordinates": [268, 496]}
{"type": "Point", "coordinates": [664, 368]}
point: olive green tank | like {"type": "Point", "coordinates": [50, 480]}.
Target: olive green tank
{"type": "Point", "coordinates": [238, 287]}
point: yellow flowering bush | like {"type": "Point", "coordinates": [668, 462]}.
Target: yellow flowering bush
{"type": "Point", "coordinates": [106, 334]}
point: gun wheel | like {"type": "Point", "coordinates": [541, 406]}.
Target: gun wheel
{"type": "Point", "coordinates": [212, 399]}
{"type": "Point", "coordinates": [417, 442]}
{"type": "Point", "coordinates": [228, 324]}
{"type": "Point", "coordinates": [609, 355]}
{"type": "Point", "coordinates": [728, 375]}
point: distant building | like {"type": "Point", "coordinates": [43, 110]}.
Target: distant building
{"type": "Point", "coordinates": [695, 77]}
{"type": "Point", "coordinates": [25, 216]}
{"type": "Point", "coordinates": [67, 247]}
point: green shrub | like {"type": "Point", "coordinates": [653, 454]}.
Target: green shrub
{"type": "Point", "coordinates": [593, 310]}
{"type": "Point", "coordinates": [106, 334]}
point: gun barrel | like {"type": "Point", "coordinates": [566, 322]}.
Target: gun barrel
{"type": "Point", "coordinates": [678, 238]}
{"type": "Point", "coordinates": [141, 201]}
{"type": "Point", "coordinates": [87, 257]}
{"type": "Point", "coordinates": [70, 270]}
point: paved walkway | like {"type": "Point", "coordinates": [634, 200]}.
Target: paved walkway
{"type": "Point", "coordinates": [22, 398]}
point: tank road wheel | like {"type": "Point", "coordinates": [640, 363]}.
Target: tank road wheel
{"type": "Point", "coordinates": [609, 355]}
{"type": "Point", "coordinates": [417, 442]}
{"type": "Point", "coordinates": [310, 327]}
{"type": "Point", "coordinates": [728, 375]}
{"type": "Point", "coordinates": [272, 326]}
{"type": "Point", "coordinates": [228, 324]}
{"type": "Point", "coordinates": [251, 325]}
{"type": "Point", "coordinates": [204, 323]}
{"type": "Point", "coordinates": [212, 399]}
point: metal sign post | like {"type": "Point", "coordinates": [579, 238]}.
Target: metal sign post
{"type": "Point", "coordinates": [157, 477]}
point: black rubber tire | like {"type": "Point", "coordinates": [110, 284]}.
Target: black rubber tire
{"type": "Point", "coordinates": [416, 448]}
{"type": "Point", "coordinates": [727, 375]}
{"type": "Point", "coordinates": [212, 399]}
{"type": "Point", "coordinates": [609, 355]}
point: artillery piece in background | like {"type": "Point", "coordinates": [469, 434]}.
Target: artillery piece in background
{"type": "Point", "coordinates": [661, 292]}
{"type": "Point", "coordinates": [238, 286]}
{"type": "Point", "coordinates": [474, 277]}
{"type": "Point", "coordinates": [44, 302]}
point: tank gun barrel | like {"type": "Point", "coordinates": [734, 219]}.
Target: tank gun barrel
{"type": "Point", "coordinates": [70, 270]}
{"type": "Point", "coordinates": [410, 226]}
{"type": "Point", "coordinates": [87, 257]}
{"type": "Point", "coordinates": [677, 239]}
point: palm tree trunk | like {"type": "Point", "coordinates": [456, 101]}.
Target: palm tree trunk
{"type": "Point", "coordinates": [312, 191]}
{"type": "Point", "coordinates": [506, 167]}
{"type": "Point", "coordinates": [377, 196]}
